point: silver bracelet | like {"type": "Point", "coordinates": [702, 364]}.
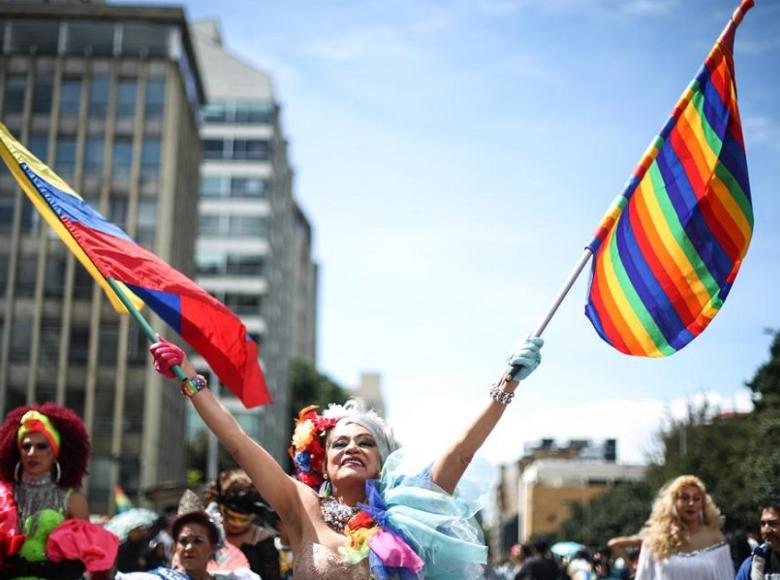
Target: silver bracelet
{"type": "Point", "coordinates": [500, 396]}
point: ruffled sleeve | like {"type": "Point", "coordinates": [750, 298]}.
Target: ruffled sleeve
{"type": "Point", "coordinates": [439, 527]}
{"type": "Point", "coordinates": [80, 540]}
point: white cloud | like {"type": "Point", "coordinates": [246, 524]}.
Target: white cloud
{"type": "Point", "coordinates": [435, 419]}
{"type": "Point", "coordinates": [762, 130]}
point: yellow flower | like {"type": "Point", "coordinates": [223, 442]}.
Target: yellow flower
{"type": "Point", "coordinates": [303, 435]}
{"type": "Point", "coordinates": [356, 548]}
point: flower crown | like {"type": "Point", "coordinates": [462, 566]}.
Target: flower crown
{"type": "Point", "coordinates": [307, 450]}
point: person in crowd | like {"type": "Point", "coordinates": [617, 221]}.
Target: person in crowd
{"type": "Point", "coordinates": [739, 546]}
{"type": "Point", "coordinates": [416, 521]}
{"type": "Point", "coordinates": [764, 563]}
{"type": "Point", "coordinates": [518, 553]}
{"type": "Point", "coordinates": [44, 452]}
{"type": "Point", "coordinates": [580, 567]}
{"type": "Point", "coordinates": [682, 539]}
{"type": "Point", "coordinates": [241, 507]}
{"type": "Point", "coordinates": [198, 535]}
{"type": "Point", "coordinates": [541, 565]}
{"type": "Point", "coordinates": [602, 563]}
{"type": "Point", "coordinates": [134, 551]}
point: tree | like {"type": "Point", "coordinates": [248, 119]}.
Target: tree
{"type": "Point", "coordinates": [620, 511]}
{"type": "Point", "coordinates": [308, 386]}
{"type": "Point", "coordinates": [735, 455]}
{"type": "Point", "coordinates": [766, 382]}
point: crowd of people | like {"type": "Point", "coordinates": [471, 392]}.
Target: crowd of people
{"type": "Point", "coordinates": [358, 507]}
{"type": "Point", "coordinates": [681, 540]}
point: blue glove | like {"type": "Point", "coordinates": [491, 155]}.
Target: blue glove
{"type": "Point", "coordinates": [525, 360]}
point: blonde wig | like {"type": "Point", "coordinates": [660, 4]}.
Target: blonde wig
{"type": "Point", "coordinates": [664, 533]}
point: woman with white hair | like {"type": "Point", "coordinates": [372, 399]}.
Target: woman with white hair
{"type": "Point", "coordinates": [682, 538]}
{"type": "Point", "coordinates": [355, 510]}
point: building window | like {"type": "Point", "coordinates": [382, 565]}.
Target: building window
{"type": "Point", "coordinates": [145, 40]}
{"type": "Point", "coordinates": [217, 263]}
{"type": "Point", "coordinates": [42, 95]}
{"type": "Point", "coordinates": [98, 96]}
{"type": "Point", "coordinates": [244, 112]}
{"type": "Point", "coordinates": [79, 342]}
{"type": "Point", "coordinates": [147, 218]}
{"type": "Point", "coordinates": [122, 159]}
{"type": "Point", "coordinates": [249, 187]}
{"type": "Point", "coordinates": [65, 157]}
{"type": "Point", "coordinates": [154, 104]}
{"type": "Point", "coordinates": [243, 303]}
{"type": "Point", "coordinates": [38, 144]}
{"type": "Point", "coordinates": [212, 186]}
{"type": "Point", "coordinates": [20, 339]}
{"type": "Point", "coordinates": [13, 99]}
{"type": "Point", "coordinates": [70, 97]}
{"type": "Point", "coordinates": [54, 283]}
{"type": "Point", "coordinates": [150, 158]}
{"type": "Point", "coordinates": [236, 149]}
{"type": "Point", "coordinates": [90, 38]}
{"type": "Point", "coordinates": [34, 37]}
{"type": "Point", "coordinates": [232, 225]}
{"type": "Point", "coordinates": [214, 149]}
{"type": "Point", "coordinates": [250, 226]}
{"type": "Point", "coordinates": [126, 96]}
{"type": "Point", "coordinates": [93, 156]}
{"type": "Point", "coordinates": [117, 211]}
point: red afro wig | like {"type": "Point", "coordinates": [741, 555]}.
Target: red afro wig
{"type": "Point", "coordinates": [74, 442]}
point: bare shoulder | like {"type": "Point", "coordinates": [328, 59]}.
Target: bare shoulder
{"type": "Point", "coordinates": [77, 506]}
{"type": "Point", "coordinates": [704, 538]}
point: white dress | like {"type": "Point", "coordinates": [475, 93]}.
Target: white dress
{"type": "Point", "coordinates": [711, 563]}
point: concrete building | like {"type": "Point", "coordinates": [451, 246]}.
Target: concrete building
{"type": "Point", "coordinates": [370, 391]}
{"type": "Point", "coordinates": [534, 492]}
{"type": "Point", "coordinates": [108, 96]}
{"type": "Point", "coordinates": [547, 487]}
{"type": "Point", "coordinates": [254, 250]}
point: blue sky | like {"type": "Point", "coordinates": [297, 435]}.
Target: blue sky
{"type": "Point", "coordinates": [454, 158]}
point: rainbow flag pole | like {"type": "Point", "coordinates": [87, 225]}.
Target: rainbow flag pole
{"type": "Point", "coordinates": [668, 249]}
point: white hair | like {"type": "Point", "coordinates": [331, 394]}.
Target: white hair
{"type": "Point", "coordinates": [354, 412]}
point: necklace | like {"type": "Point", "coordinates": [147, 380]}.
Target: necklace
{"type": "Point", "coordinates": [336, 513]}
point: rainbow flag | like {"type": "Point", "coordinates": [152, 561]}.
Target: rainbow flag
{"type": "Point", "coordinates": [107, 252]}
{"type": "Point", "coordinates": [668, 250]}
{"type": "Point", "coordinates": [121, 500]}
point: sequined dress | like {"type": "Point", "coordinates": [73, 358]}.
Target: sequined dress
{"type": "Point", "coordinates": [439, 526]}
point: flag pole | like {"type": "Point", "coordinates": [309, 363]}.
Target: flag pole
{"type": "Point", "coordinates": [139, 318]}
{"type": "Point", "coordinates": [586, 255]}
{"type": "Point", "coordinates": [578, 267]}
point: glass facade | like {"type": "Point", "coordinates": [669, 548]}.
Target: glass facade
{"type": "Point", "coordinates": [239, 112]}
{"type": "Point", "coordinates": [235, 186]}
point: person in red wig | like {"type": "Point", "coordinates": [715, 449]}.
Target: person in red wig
{"type": "Point", "coordinates": [44, 532]}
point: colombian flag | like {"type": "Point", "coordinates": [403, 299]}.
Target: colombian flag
{"type": "Point", "coordinates": [107, 252]}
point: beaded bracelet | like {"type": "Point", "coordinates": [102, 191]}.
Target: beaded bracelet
{"type": "Point", "coordinates": [193, 386]}
{"type": "Point", "coordinates": [500, 396]}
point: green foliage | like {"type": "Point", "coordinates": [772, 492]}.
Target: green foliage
{"type": "Point", "coordinates": [619, 512]}
{"type": "Point", "coordinates": [308, 386]}
{"type": "Point", "coordinates": [735, 455]}
{"type": "Point", "coordinates": [766, 383]}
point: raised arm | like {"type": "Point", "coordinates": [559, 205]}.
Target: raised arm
{"type": "Point", "coordinates": [278, 489]}
{"type": "Point", "coordinates": [449, 468]}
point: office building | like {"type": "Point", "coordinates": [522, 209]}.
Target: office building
{"type": "Point", "coordinates": [254, 249]}
{"type": "Point", "coordinates": [108, 96]}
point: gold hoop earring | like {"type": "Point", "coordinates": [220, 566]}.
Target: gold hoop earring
{"type": "Point", "coordinates": [18, 467]}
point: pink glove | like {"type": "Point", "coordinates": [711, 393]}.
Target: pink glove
{"type": "Point", "coordinates": [166, 354]}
